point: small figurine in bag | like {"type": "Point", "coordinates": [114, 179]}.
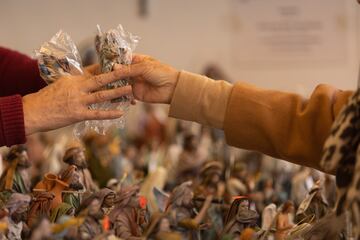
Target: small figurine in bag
{"type": "Point", "coordinates": [113, 49]}
{"type": "Point", "coordinates": [58, 57]}
{"type": "Point", "coordinates": [16, 177]}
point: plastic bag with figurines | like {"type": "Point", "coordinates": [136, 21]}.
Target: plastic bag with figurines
{"type": "Point", "coordinates": [113, 47]}
{"type": "Point", "coordinates": [60, 57]}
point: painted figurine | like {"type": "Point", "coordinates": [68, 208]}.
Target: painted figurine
{"type": "Point", "coordinates": [106, 197]}
{"type": "Point", "coordinates": [15, 177]}
{"type": "Point", "coordinates": [313, 206]}
{"type": "Point", "coordinates": [283, 222]}
{"type": "Point", "coordinates": [72, 195]}
{"type": "Point", "coordinates": [160, 229]}
{"type": "Point", "coordinates": [67, 184]}
{"type": "Point", "coordinates": [129, 216]}
{"type": "Point", "coordinates": [76, 156]}
{"type": "Point", "coordinates": [239, 217]}
{"type": "Point", "coordinates": [183, 216]}
{"type": "Point", "coordinates": [40, 207]}
{"type": "Point", "coordinates": [237, 184]}
{"type": "Point", "coordinates": [190, 160]}
{"type": "Point", "coordinates": [17, 207]}
{"type": "Point", "coordinates": [210, 183]}
{"type": "Point", "coordinates": [92, 226]}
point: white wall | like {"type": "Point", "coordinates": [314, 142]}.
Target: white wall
{"type": "Point", "coordinates": [184, 33]}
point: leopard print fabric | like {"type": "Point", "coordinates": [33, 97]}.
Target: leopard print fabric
{"type": "Point", "coordinates": [342, 155]}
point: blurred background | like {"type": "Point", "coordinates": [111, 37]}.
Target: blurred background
{"type": "Point", "coordinates": [291, 45]}
{"type": "Point", "coordinates": [191, 35]}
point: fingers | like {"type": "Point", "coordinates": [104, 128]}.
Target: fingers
{"type": "Point", "coordinates": [137, 58]}
{"type": "Point", "coordinates": [98, 81]}
{"type": "Point", "coordinates": [107, 95]}
{"type": "Point", "coordinates": [93, 69]}
{"type": "Point", "coordinates": [133, 70]}
{"type": "Point", "coordinates": [102, 114]}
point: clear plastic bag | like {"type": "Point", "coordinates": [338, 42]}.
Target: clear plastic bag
{"type": "Point", "coordinates": [113, 47]}
{"type": "Point", "coordinates": [60, 57]}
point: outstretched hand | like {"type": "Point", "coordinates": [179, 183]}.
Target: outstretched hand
{"type": "Point", "coordinates": [151, 80]}
{"type": "Point", "coordinates": [66, 101]}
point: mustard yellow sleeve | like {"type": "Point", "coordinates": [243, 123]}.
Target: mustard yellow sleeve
{"type": "Point", "coordinates": [280, 124]}
{"type": "Point", "coordinates": [200, 99]}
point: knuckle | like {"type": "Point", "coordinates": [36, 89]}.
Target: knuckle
{"type": "Point", "coordinates": [118, 74]}
{"type": "Point", "coordinates": [100, 95]}
{"type": "Point", "coordinates": [99, 80]}
{"type": "Point", "coordinates": [80, 115]}
{"type": "Point", "coordinates": [98, 115]}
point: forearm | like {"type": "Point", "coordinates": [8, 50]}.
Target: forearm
{"type": "Point", "coordinates": [200, 99]}
{"type": "Point", "coordinates": [283, 125]}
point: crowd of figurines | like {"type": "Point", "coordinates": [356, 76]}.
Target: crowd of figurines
{"type": "Point", "coordinates": [201, 196]}
{"type": "Point", "coordinates": [199, 205]}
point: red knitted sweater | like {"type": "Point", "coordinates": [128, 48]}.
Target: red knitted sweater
{"type": "Point", "coordinates": [19, 75]}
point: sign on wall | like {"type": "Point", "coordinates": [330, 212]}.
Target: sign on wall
{"type": "Point", "coordinates": [290, 32]}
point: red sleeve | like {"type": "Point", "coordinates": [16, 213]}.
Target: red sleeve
{"type": "Point", "coordinates": [19, 74]}
{"type": "Point", "coordinates": [12, 129]}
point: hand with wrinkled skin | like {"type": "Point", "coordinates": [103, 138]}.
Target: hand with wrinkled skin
{"type": "Point", "coordinates": [151, 80]}
{"type": "Point", "coordinates": [66, 101]}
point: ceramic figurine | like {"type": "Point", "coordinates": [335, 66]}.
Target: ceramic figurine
{"type": "Point", "coordinates": [15, 177]}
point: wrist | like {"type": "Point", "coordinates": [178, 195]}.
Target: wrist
{"type": "Point", "coordinates": [172, 91]}
{"type": "Point", "coordinates": [29, 121]}
{"type": "Point", "coordinates": [200, 99]}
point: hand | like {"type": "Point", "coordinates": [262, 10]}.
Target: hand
{"type": "Point", "coordinates": [92, 70]}
{"type": "Point", "coordinates": [95, 69]}
{"type": "Point", "coordinates": [152, 81]}
{"type": "Point", "coordinates": [66, 101]}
